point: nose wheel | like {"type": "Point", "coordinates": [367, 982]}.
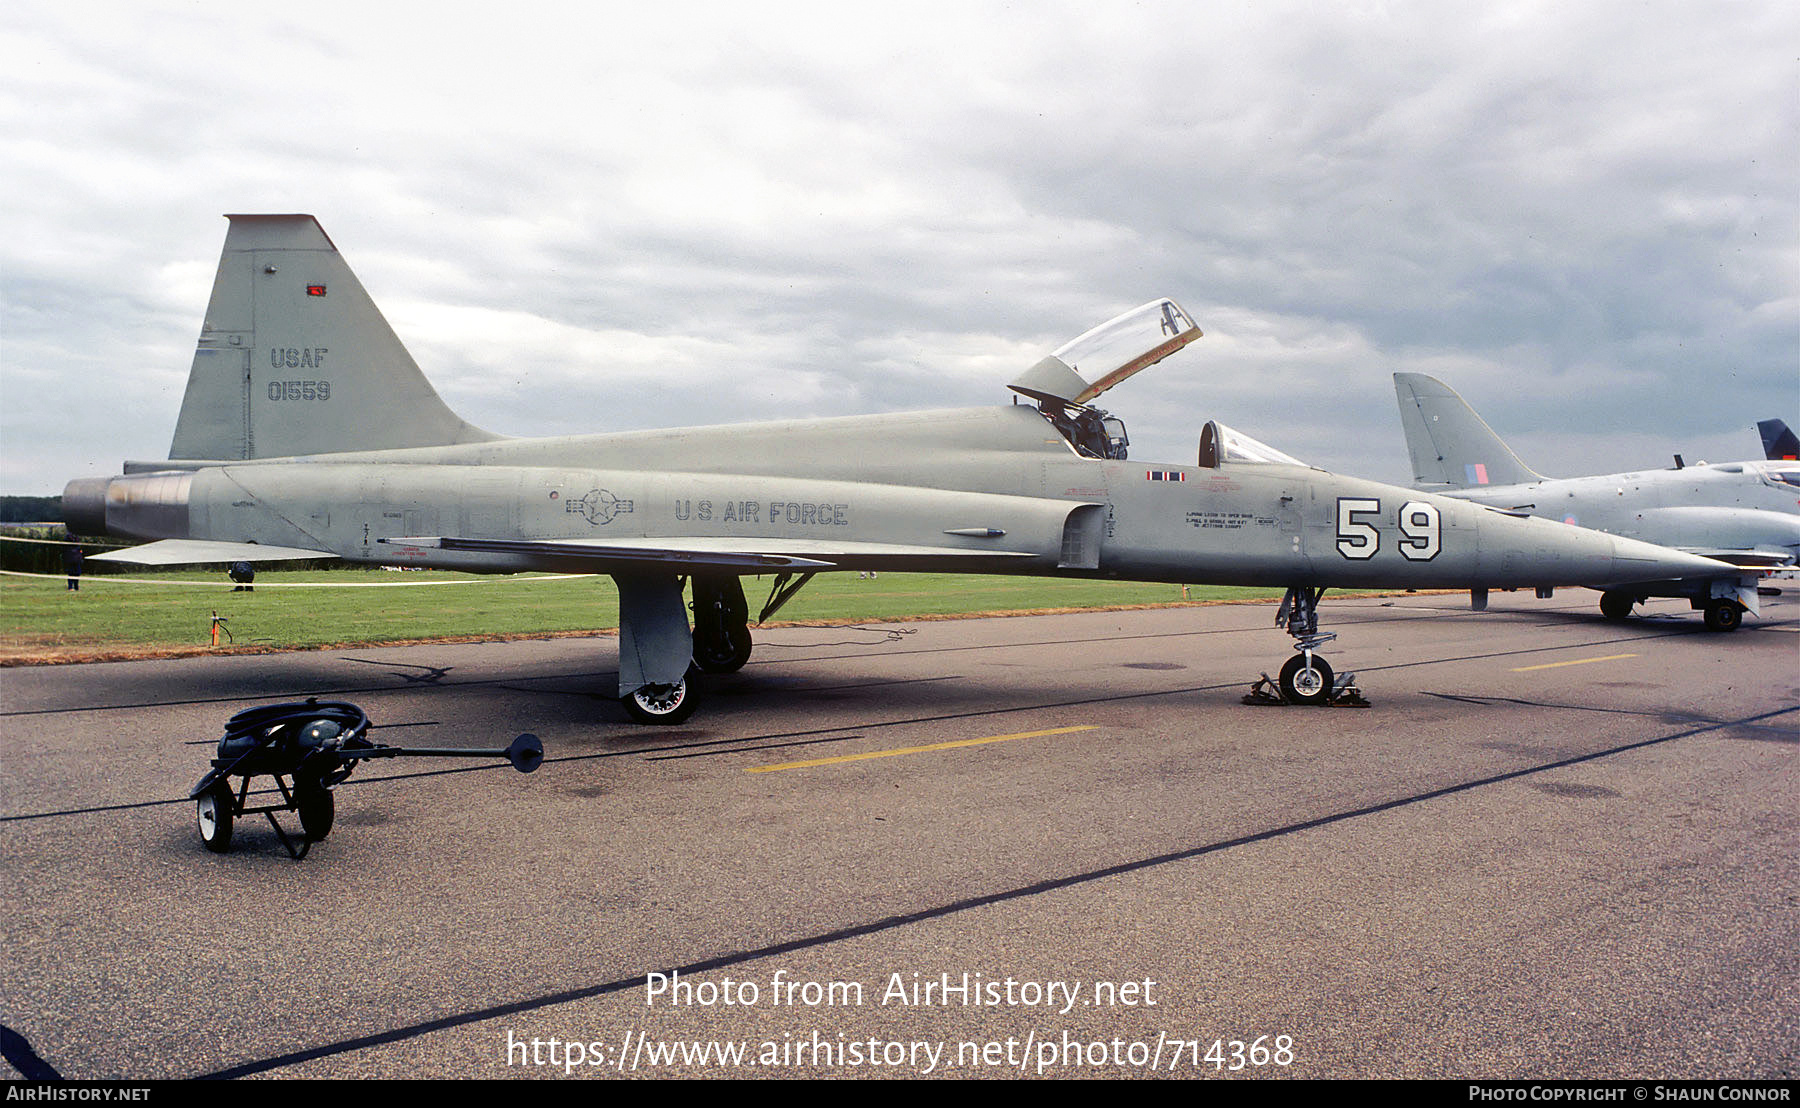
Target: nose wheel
{"type": "Point", "coordinates": [1306, 679]}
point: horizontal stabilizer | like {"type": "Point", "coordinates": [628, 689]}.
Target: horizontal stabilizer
{"type": "Point", "coordinates": [187, 552]}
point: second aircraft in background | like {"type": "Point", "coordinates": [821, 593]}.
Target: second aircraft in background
{"type": "Point", "coordinates": [1746, 513]}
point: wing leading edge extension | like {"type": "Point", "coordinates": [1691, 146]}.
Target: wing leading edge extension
{"type": "Point", "coordinates": [731, 555]}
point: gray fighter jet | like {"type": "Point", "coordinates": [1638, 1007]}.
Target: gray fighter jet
{"type": "Point", "coordinates": [1746, 513]}
{"type": "Point", "coordinates": [307, 431]}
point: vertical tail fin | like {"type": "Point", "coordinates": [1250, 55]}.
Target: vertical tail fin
{"type": "Point", "coordinates": [1779, 442]}
{"type": "Point", "coordinates": [1449, 443]}
{"type": "Point", "coordinates": [294, 358]}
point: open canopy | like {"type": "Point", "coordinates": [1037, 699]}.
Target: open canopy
{"type": "Point", "coordinates": [1099, 359]}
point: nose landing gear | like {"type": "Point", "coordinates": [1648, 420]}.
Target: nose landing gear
{"type": "Point", "coordinates": [1306, 680]}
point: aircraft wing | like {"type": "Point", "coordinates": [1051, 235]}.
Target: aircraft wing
{"type": "Point", "coordinates": [1745, 559]}
{"type": "Point", "coordinates": [736, 554]}
{"type": "Point", "coordinates": [178, 552]}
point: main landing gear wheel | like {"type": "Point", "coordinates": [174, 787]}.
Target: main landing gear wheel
{"type": "Point", "coordinates": [213, 812]}
{"type": "Point", "coordinates": [1724, 615]}
{"type": "Point", "coordinates": [1306, 681]}
{"type": "Point", "coordinates": [662, 704]}
{"type": "Point", "coordinates": [723, 654]}
{"type": "Point", "coordinates": [1616, 605]}
{"type": "Point", "coordinates": [721, 624]}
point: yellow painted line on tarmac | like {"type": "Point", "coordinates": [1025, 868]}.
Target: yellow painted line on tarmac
{"type": "Point", "coordinates": [1576, 662]}
{"type": "Point", "coordinates": [896, 752]}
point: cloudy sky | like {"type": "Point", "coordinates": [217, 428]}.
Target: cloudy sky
{"type": "Point", "coordinates": [595, 216]}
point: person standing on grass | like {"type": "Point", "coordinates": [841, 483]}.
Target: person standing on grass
{"type": "Point", "coordinates": [72, 566]}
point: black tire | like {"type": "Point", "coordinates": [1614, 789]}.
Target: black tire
{"type": "Point", "coordinates": [318, 808]}
{"type": "Point", "coordinates": [212, 810]}
{"type": "Point", "coordinates": [1724, 615]}
{"type": "Point", "coordinates": [1616, 605]}
{"type": "Point", "coordinates": [1306, 685]}
{"type": "Point", "coordinates": [726, 655]}
{"type": "Point", "coordinates": [662, 704]}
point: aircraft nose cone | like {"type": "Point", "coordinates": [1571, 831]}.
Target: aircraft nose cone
{"type": "Point", "coordinates": [1635, 562]}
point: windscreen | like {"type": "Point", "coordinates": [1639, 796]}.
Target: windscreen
{"type": "Point", "coordinates": [1782, 477]}
{"type": "Point", "coordinates": [1219, 445]}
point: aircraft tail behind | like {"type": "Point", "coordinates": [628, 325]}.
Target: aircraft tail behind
{"type": "Point", "coordinates": [1451, 445]}
{"type": "Point", "coordinates": [1779, 441]}
{"type": "Point", "coordinates": [294, 358]}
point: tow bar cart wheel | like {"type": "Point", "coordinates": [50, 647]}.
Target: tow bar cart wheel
{"type": "Point", "coordinates": [213, 811]}
{"type": "Point", "coordinates": [317, 810]}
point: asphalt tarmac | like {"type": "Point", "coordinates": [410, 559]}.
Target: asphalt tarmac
{"type": "Point", "coordinates": [1554, 847]}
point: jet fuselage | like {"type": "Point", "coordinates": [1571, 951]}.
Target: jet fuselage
{"type": "Point", "coordinates": [1750, 507]}
{"type": "Point", "coordinates": [986, 489]}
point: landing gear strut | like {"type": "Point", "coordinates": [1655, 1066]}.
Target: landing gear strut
{"type": "Point", "coordinates": [1306, 680]}
{"type": "Point", "coordinates": [656, 648]}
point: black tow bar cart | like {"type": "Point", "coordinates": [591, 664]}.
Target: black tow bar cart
{"type": "Point", "coordinates": [308, 748]}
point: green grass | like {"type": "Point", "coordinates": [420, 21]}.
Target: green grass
{"type": "Point", "coordinates": [40, 619]}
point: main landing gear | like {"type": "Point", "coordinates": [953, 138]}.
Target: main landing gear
{"type": "Point", "coordinates": [660, 658]}
{"type": "Point", "coordinates": [721, 625]}
{"type": "Point", "coordinates": [1721, 613]}
{"type": "Point", "coordinates": [1616, 604]}
{"type": "Point", "coordinates": [720, 642]}
{"type": "Point", "coordinates": [1306, 680]}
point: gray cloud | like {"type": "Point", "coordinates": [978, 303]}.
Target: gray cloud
{"type": "Point", "coordinates": [606, 217]}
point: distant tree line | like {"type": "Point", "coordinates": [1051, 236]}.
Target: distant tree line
{"type": "Point", "coordinates": [30, 509]}
{"type": "Point", "coordinates": [45, 554]}
{"type": "Point", "coordinates": [32, 557]}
